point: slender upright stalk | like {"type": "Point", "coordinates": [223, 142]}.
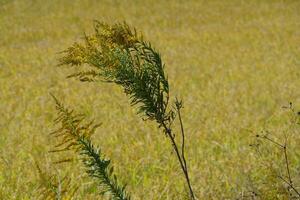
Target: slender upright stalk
{"type": "Point", "coordinates": [180, 158]}
{"type": "Point", "coordinates": [183, 153]}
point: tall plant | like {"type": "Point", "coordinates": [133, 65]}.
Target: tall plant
{"type": "Point", "coordinates": [118, 54]}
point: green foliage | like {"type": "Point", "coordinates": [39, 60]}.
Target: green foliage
{"type": "Point", "coordinates": [74, 134]}
{"type": "Point", "coordinates": [119, 55]}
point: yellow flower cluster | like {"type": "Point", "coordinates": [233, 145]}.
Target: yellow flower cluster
{"type": "Point", "coordinates": [117, 35]}
{"type": "Point", "coordinates": [106, 39]}
{"type": "Point", "coordinates": [76, 55]}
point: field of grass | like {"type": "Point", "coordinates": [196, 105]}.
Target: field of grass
{"type": "Point", "coordinates": [234, 63]}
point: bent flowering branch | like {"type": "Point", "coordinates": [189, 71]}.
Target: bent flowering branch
{"type": "Point", "coordinates": [74, 134]}
{"type": "Point", "coordinates": [118, 54]}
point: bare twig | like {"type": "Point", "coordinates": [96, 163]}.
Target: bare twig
{"type": "Point", "coordinates": [284, 149]}
{"type": "Point", "coordinates": [271, 140]}
{"type": "Point", "coordinates": [287, 163]}
{"type": "Point", "coordinates": [291, 185]}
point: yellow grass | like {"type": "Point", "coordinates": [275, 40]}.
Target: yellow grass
{"type": "Point", "coordinates": [234, 63]}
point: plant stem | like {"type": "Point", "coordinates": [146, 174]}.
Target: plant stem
{"type": "Point", "coordinates": [287, 164]}
{"type": "Point", "coordinates": [182, 151]}
{"type": "Point", "coordinates": [182, 135]}
{"type": "Point", "coordinates": [180, 159]}
{"type": "Point", "coordinates": [291, 185]}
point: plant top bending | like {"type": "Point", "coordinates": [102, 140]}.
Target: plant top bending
{"type": "Point", "coordinates": [118, 54]}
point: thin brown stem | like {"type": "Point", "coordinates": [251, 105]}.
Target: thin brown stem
{"type": "Point", "coordinates": [183, 138]}
{"type": "Point", "coordinates": [291, 185]}
{"type": "Point", "coordinates": [287, 164]}
{"type": "Point", "coordinates": [182, 165]}
{"type": "Point", "coordinates": [284, 147]}
{"type": "Point", "coordinates": [272, 141]}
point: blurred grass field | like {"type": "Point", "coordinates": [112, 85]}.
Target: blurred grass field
{"type": "Point", "coordinates": [234, 63]}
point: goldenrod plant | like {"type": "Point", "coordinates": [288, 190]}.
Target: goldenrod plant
{"type": "Point", "coordinates": [74, 134]}
{"type": "Point", "coordinates": [233, 63]}
{"type": "Point", "coordinates": [118, 54]}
